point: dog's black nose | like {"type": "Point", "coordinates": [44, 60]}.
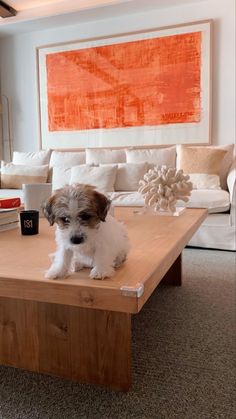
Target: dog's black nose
{"type": "Point", "coordinates": [77, 239]}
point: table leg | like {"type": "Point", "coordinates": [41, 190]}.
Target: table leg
{"type": "Point", "coordinates": [92, 346]}
{"type": "Point", "coordinates": [174, 274]}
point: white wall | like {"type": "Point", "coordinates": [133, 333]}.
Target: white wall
{"type": "Point", "coordinates": [19, 75]}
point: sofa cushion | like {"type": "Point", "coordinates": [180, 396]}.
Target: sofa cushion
{"type": "Point", "coordinates": [37, 158]}
{"type": "Point", "coordinates": [102, 177]}
{"type": "Point", "coordinates": [103, 156]}
{"type": "Point", "coordinates": [200, 159]}
{"type": "Point", "coordinates": [14, 175]}
{"type": "Point", "coordinates": [215, 200]}
{"type": "Point", "coordinates": [153, 156]}
{"type": "Point", "coordinates": [126, 199]}
{"type": "Point", "coordinates": [226, 163]}
{"type": "Point", "coordinates": [60, 166]}
{"type": "Point", "coordinates": [66, 158]}
{"type": "Point", "coordinates": [208, 151]}
{"type": "Point", "coordinates": [129, 175]}
{"type": "Point", "coordinates": [204, 181]}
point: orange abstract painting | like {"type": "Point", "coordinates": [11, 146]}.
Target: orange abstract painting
{"type": "Point", "coordinates": [147, 82]}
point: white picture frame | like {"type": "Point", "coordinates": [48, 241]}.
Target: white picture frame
{"type": "Point", "coordinates": [145, 134]}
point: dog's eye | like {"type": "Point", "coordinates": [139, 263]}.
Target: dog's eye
{"type": "Point", "coordinates": [85, 216]}
{"type": "Point", "coordinates": [65, 220]}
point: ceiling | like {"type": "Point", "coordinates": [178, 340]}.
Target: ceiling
{"type": "Point", "coordinates": [45, 14]}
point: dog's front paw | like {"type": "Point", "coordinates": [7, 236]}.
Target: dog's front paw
{"type": "Point", "coordinates": [101, 273]}
{"type": "Point", "coordinates": [78, 266]}
{"type": "Point", "coordinates": [53, 273]}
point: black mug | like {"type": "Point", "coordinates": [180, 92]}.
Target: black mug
{"type": "Point", "coordinates": [29, 221]}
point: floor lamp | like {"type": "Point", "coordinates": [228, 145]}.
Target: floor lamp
{"type": "Point", "coordinates": [6, 126]}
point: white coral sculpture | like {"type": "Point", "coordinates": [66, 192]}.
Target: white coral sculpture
{"type": "Point", "coordinates": [163, 186]}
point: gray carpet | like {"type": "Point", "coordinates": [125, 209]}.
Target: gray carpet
{"type": "Point", "coordinates": [183, 357]}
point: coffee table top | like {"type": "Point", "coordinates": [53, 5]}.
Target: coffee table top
{"type": "Point", "coordinates": [156, 242]}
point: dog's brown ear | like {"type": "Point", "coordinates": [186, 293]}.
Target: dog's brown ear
{"type": "Point", "coordinates": [103, 205]}
{"type": "Point", "coordinates": [47, 208]}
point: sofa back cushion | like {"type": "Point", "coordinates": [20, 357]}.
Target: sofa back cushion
{"type": "Point", "coordinates": [129, 175]}
{"type": "Point", "coordinates": [66, 158]}
{"type": "Point", "coordinates": [14, 175]}
{"type": "Point", "coordinates": [153, 156]}
{"type": "Point", "coordinates": [104, 156]}
{"type": "Point", "coordinates": [101, 177]}
{"type": "Point", "coordinates": [60, 165]}
{"type": "Point", "coordinates": [37, 158]}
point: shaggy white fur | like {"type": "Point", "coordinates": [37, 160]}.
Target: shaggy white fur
{"type": "Point", "coordinates": [104, 249]}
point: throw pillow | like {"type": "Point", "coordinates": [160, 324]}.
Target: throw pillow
{"type": "Point", "coordinates": [104, 156]}
{"type": "Point", "coordinates": [129, 175]}
{"type": "Point", "coordinates": [206, 161]}
{"type": "Point", "coordinates": [60, 177]}
{"type": "Point", "coordinates": [14, 175]}
{"type": "Point", "coordinates": [37, 158]}
{"type": "Point", "coordinates": [224, 165]}
{"type": "Point", "coordinates": [204, 181]}
{"type": "Point", "coordinates": [153, 156]}
{"type": "Point", "coordinates": [101, 177]}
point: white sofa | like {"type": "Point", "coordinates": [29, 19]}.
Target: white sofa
{"type": "Point", "coordinates": [120, 169]}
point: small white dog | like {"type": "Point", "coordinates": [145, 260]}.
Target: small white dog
{"type": "Point", "coordinates": [86, 235]}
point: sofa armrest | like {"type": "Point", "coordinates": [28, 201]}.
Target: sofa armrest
{"type": "Point", "coordinates": [231, 182]}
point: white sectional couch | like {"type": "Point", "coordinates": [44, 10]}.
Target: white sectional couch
{"type": "Point", "coordinates": [116, 172]}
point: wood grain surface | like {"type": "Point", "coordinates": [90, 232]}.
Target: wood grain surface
{"type": "Point", "coordinates": [156, 242]}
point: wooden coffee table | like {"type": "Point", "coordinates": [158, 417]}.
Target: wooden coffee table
{"type": "Point", "coordinates": [80, 328]}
